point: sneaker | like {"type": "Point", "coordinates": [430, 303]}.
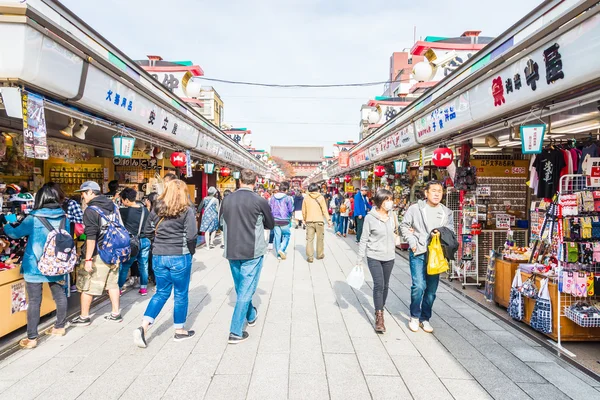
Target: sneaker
{"type": "Point", "coordinates": [180, 337]}
{"type": "Point", "coordinates": [113, 318]}
{"type": "Point", "coordinates": [143, 292]}
{"type": "Point", "coordinates": [427, 326]}
{"type": "Point", "coordinates": [338, 234]}
{"type": "Point", "coordinates": [309, 260]}
{"type": "Point", "coordinates": [222, 246]}
{"type": "Point", "coordinates": [28, 343]}
{"type": "Point", "coordinates": [320, 258]}
{"type": "Point", "coordinates": [252, 323]}
{"type": "Point", "coordinates": [413, 324]}
{"type": "Point", "coordinates": [282, 255]}
{"type": "Point", "coordinates": [235, 339]}
{"type": "Point", "coordinates": [80, 321]}
{"type": "Point", "coordinates": [73, 288]}
{"type": "Point", "coordinates": [270, 246]}
{"type": "Point", "coordinates": [129, 282]}
{"type": "Point", "coordinates": [136, 282]}
{"type": "Point", "coordinates": [139, 338]}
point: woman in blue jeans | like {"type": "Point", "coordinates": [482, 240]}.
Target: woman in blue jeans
{"type": "Point", "coordinates": [174, 222]}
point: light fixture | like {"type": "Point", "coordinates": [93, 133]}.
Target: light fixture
{"type": "Point", "coordinates": [68, 130]}
{"type": "Point", "coordinates": [209, 168]}
{"type": "Point", "coordinates": [160, 154]}
{"type": "Point", "coordinates": [400, 166]}
{"type": "Point", "coordinates": [149, 150]}
{"type": "Point", "coordinates": [80, 132]}
{"type": "Point", "coordinates": [491, 141]}
{"type": "Point", "coordinates": [236, 174]}
{"type": "Point", "coordinates": [364, 175]}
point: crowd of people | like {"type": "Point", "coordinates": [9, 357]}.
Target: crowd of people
{"type": "Point", "coordinates": [160, 235]}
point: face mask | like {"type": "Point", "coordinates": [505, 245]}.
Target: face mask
{"type": "Point", "coordinates": [388, 205]}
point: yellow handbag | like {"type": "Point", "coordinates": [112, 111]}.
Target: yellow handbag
{"type": "Point", "coordinates": [436, 262]}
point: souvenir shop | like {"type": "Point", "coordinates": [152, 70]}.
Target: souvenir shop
{"type": "Point", "coordinates": [78, 110]}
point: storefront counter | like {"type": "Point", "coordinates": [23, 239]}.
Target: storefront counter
{"type": "Point", "coordinates": [505, 272]}
{"type": "Point", "coordinates": [12, 295]}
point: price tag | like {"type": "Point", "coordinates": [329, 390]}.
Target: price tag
{"type": "Point", "coordinates": [484, 191]}
{"type": "Point", "coordinates": [502, 221]}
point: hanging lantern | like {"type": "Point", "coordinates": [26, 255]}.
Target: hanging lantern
{"type": "Point", "coordinates": [347, 179]}
{"type": "Point", "coordinates": [329, 182]}
{"type": "Point", "coordinates": [209, 168]}
{"type": "Point", "coordinates": [178, 159]}
{"type": "Point", "coordinates": [337, 180]}
{"type": "Point", "coordinates": [442, 157]}
{"type": "Point", "coordinates": [379, 171]}
{"type": "Point", "coordinates": [400, 166]}
{"type": "Point", "coordinates": [364, 175]}
{"type": "Point", "coordinates": [236, 174]}
{"type": "Point", "coordinates": [225, 171]}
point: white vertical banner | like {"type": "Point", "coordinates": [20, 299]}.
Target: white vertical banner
{"type": "Point", "coordinates": [188, 164]}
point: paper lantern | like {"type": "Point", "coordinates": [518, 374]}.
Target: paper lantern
{"type": "Point", "coordinates": [336, 180]}
{"type": "Point", "coordinates": [225, 171]}
{"type": "Point", "coordinates": [347, 179]}
{"type": "Point", "coordinates": [236, 174]}
{"type": "Point", "coordinates": [178, 159]}
{"type": "Point", "coordinates": [442, 157]}
{"type": "Point", "coordinates": [379, 171]}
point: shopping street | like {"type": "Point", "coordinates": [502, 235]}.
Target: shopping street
{"type": "Point", "coordinates": [314, 340]}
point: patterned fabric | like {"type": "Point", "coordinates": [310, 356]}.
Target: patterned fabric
{"type": "Point", "coordinates": [515, 305]}
{"type": "Point", "coordinates": [74, 212]}
{"type": "Point", "coordinates": [210, 218]}
{"type": "Point", "coordinates": [541, 317]}
{"type": "Point", "coordinates": [490, 280]}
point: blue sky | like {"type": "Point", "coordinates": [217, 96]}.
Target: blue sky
{"type": "Point", "coordinates": [290, 41]}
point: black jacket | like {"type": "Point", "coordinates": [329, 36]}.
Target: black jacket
{"type": "Point", "coordinates": [245, 215]}
{"type": "Point", "coordinates": [174, 236]}
{"type": "Point", "coordinates": [449, 242]}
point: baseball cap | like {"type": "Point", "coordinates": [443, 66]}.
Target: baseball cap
{"type": "Point", "coordinates": [89, 185]}
{"type": "Point", "coordinates": [365, 188]}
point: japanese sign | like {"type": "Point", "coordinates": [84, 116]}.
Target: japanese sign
{"type": "Point", "coordinates": [500, 168]}
{"type": "Point", "coordinates": [484, 191]}
{"type": "Point", "coordinates": [503, 221]}
{"type": "Point", "coordinates": [123, 146]}
{"type": "Point", "coordinates": [593, 171]}
{"type": "Point", "coordinates": [344, 159]}
{"type": "Point", "coordinates": [144, 163]}
{"type": "Point", "coordinates": [188, 164]}
{"type": "Point", "coordinates": [532, 138]}
{"type": "Point", "coordinates": [444, 119]}
{"type": "Point", "coordinates": [34, 126]}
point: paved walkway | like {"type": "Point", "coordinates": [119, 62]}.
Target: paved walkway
{"type": "Point", "coordinates": [314, 340]}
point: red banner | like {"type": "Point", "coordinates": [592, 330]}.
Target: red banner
{"type": "Point", "coordinates": [344, 159]}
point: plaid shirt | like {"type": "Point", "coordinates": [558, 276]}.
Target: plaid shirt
{"type": "Point", "coordinates": [74, 212]}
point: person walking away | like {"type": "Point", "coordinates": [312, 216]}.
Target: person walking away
{"type": "Point", "coordinates": [338, 201]}
{"type": "Point", "coordinates": [333, 209]}
{"type": "Point", "coordinates": [135, 219]}
{"type": "Point", "coordinates": [226, 193]}
{"type": "Point", "coordinates": [47, 209]}
{"type": "Point", "coordinates": [245, 217]}
{"type": "Point", "coordinates": [174, 245]}
{"type": "Point", "coordinates": [94, 276]}
{"type": "Point", "coordinates": [282, 208]}
{"type": "Point", "coordinates": [314, 212]}
{"type": "Point", "coordinates": [298, 199]}
{"type": "Point", "coordinates": [345, 209]}
{"type": "Point", "coordinates": [361, 208]}
{"type": "Point", "coordinates": [210, 218]}
{"type": "Point", "coordinates": [420, 220]}
{"type": "Point", "coordinates": [378, 242]}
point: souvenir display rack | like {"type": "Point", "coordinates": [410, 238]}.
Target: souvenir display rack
{"type": "Point", "coordinates": [578, 259]}
{"type": "Point", "coordinates": [71, 176]}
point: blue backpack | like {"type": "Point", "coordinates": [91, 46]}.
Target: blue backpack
{"type": "Point", "coordinates": [114, 241]}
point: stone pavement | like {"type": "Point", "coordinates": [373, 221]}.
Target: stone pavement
{"type": "Point", "coordinates": [314, 340]}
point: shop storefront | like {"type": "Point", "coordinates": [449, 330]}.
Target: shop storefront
{"type": "Point", "coordinates": [74, 109]}
{"type": "Point", "coordinates": [516, 127]}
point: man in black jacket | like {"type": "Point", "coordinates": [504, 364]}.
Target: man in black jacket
{"type": "Point", "coordinates": [246, 215]}
{"type": "Point", "coordinates": [93, 275]}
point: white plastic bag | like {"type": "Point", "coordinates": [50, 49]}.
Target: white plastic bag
{"type": "Point", "coordinates": [356, 277]}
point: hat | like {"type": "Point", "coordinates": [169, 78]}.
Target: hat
{"type": "Point", "coordinates": [89, 185]}
{"type": "Point", "coordinates": [365, 188]}
{"type": "Point", "coordinates": [212, 190]}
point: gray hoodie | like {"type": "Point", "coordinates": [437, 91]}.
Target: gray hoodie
{"type": "Point", "coordinates": [377, 239]}
{"type": "Point", "coordinates": [415, 229]}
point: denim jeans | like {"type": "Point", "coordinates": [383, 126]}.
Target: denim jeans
{"type": "Point", "coordinates": [172, 273]}
{"type": "Point", "coordinates": [245, 275]}
{"type": "Point", "coordinates": [34, 296]}
{"type": "Point", "coordinates": [424, 286]}
{"type": "Point", "coordinates": [334, 219]}
{"type": "Point", "coordinates": [271, 236]}
{"type": "Point", "coordinates": [282, 237]}
{"type": "Point", "coordinates": [342, 226]}
{"type": "Point", "coordinates": [142, 259]}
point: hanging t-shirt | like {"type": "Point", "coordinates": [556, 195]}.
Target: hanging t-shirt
{"type": "Point", "coordinates": [592, 150]}
{"type": "Point", "coordinates": [548, 165]}
{"type": "Point", "coordinates": [533, 177]}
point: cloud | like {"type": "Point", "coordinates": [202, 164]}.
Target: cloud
{"type": "Point", "coordinates": [291, 41]}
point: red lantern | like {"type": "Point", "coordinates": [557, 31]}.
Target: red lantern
{"type": "Point", "coordinates": [225, 171]}
{"type": "Point", "coordinates": [336, 180]}
{"type": "Point", "coordinates": [379, 171]}
{"type": "Point", "coordinates": [442, 157]}
{"type": "Point", "coordinates": [348, 179]}
{"type": "Point", "coordinates": [329, 182]}
{"type": "Point", "coordinates": [178, 159]}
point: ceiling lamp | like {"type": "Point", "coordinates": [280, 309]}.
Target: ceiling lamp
{"type": "Point", "coordinates": [158, 153]}
{"type": "Point", "coordinates": [68, 130]}
{"type": "Point", "coordinates": [80, 132]}
{"type": "Point", "coordinates": [491, 141]}
{"type": "Point", "coordinates": [373, 117]}
{"type": "Point", "coordinates": [425, 70]}
{"type": "Point", "coordinates": [191, 87]}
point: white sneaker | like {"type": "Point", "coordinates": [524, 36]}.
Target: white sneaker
{"type": "Point", "coordinates": [413, 324]}
{"type": "Point", "coordinates": [427, 326]}
{"type": "Point", "coordinates": [136, 282]}
{"type": "Point", "coordinates": [270, 246]}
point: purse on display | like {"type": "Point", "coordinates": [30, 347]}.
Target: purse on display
{"type": "Point", "coordinates": [529, 289]}
{"type": "Point", "coordinates": [541, 317]}
{"type": "Point", "coordinates": [516, 307]}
